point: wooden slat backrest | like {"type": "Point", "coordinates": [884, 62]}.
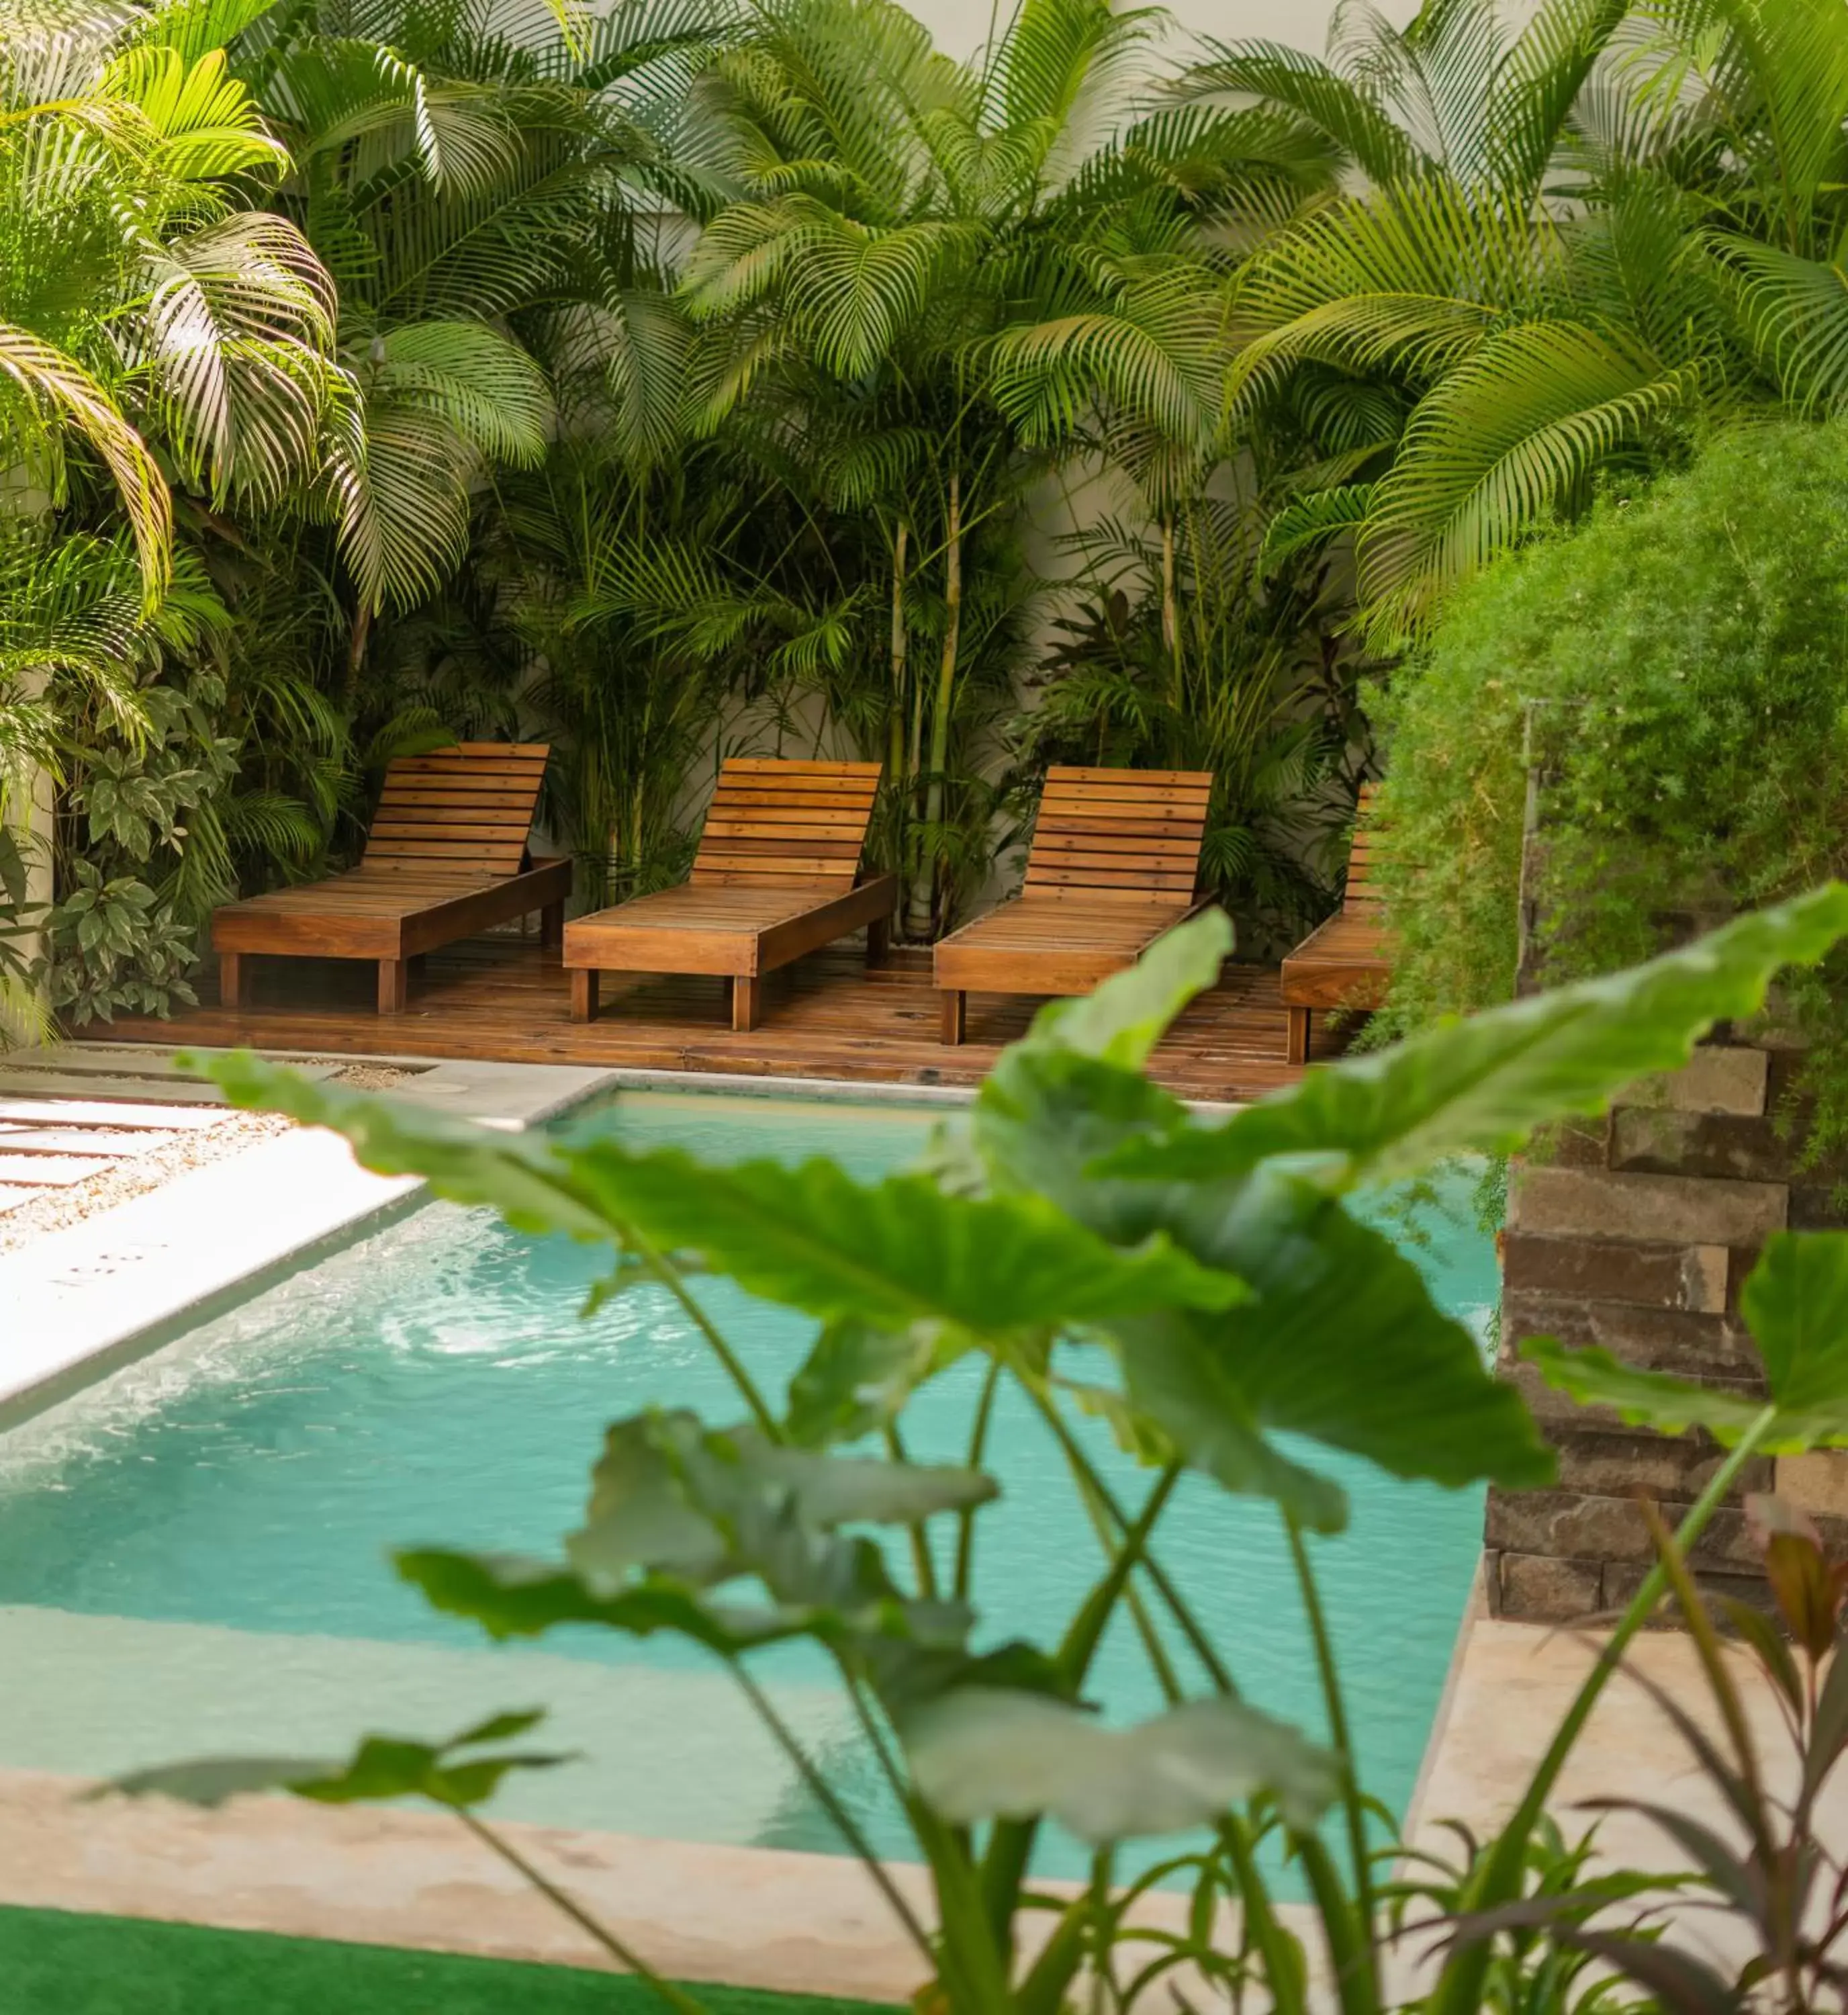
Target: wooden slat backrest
{"type": "Point", "coordinates": [1119, 835]}
{"type": "Point", "coordinates": [1362, 895]}
{"type": "Point", "coordinates": [469, 808]}
{"type": "Point", "coordinates": [772, 820]}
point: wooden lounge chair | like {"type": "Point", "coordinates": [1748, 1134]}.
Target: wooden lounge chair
{"type": "Point", "coordinates": [776, 876]}
{"type": "Point", "coordinates": [1113, 862]}
{"type": "Point", "coordinates": [446, 857]}
{"type": "Point", "coordinates": [1346, 961]}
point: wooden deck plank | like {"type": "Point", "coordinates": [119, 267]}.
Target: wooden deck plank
{"type": "Point", "coordinates": [506, 999]}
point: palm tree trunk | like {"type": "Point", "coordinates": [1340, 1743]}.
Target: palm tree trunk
{"type": "Point", "coordinates": [355, 654]}
{"type": "Point", "coordinates": [1171, 616]}
{"type": "Point", "coordinates": [946, 669]}
{"type": "Point", "coordinates": [30, 811]}
{"type": "Point", "coordinates": [895, 761]}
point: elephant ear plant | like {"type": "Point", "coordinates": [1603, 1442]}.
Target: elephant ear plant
{"type": "Point", "coordinates": [1083, 1237]}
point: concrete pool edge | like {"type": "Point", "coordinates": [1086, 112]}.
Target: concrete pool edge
{"type": "Point", "coordinates": [264, 1196]}
{"type": "Point", "coordinates": [741, 1917]}
{"type": "Point", "coordinates": [81, 1303]}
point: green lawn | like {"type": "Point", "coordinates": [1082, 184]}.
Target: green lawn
{"type": "Point", "coordinates": [53, 1963]}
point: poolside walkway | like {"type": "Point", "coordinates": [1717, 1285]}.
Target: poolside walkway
{"type": "Point", "coordinates": [504, 998]}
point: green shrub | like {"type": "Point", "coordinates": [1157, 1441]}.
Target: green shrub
{"type": "Point", "coordinates": [1679, 662]}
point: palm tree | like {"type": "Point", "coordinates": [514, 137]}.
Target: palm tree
{"type": "Point", "coordinates": [887, 200]}
{"type": "Point", "coordinates": [1507, 268]}
{"type": "Point", "coordinates": [460, 171]}
{"type": "Point", "coordinates": [140, 301]}
{"type": "Point", "coordinates": [155, 330]}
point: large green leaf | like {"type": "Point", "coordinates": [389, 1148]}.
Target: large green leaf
{"type": "Point", "coordinates": [1483, 1085]}
{"type": "Point", "coordinates": [857, 1379]}
{"type": "Point", "coordinates": [1340, 1342]}
{"type": "Point", "coordinates": [670, 1495]}
{"type": "Point", "coordinates": [1121, 1021]}
{"type": "Point", "coordinates": [841, 1597]}
{"type": "Point", "coordinates": [1046, 1117]}
{"type": "Point", "coordinates": [890, 1254]}
{"type": "Point", "coordinates": [979, 1753]}
{"type": "Point", "coordinates": [1187, 1387]}
{"type": "Point", "coordinates": [456, 1772]}
{"type": "Point", "coordinates": [513, 1597]}
{"type": "Point", "coordinates": [1656, 1400]}
{"type": "Point", "coordinates": [521, 1175]}
{"type": "Point", "coordinates": [1795, 1302]}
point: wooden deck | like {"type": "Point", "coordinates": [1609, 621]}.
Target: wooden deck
{"type": "Point", "coordinates": [507, 998]}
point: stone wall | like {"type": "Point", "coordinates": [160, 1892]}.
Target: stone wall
{"type": "Point", "coordinates": [1636, 1233]}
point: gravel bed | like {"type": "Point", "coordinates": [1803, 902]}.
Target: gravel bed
{"type": "Point", "coordinates": [134, 1176]}
{"type": "Point", "coordinates": [230, 1132]}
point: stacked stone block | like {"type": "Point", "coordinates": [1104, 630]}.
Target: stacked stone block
{"type": "Point", "coordinates": [1636, 1233]}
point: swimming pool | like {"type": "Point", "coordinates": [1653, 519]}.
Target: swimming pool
{"type": "Point", "coordinates": [190, 1551]}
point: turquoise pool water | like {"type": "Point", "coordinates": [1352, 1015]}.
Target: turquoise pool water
{"type": "Point", "coordinates": [191, 1554]}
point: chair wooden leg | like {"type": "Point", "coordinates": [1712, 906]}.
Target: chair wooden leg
{"type": "Point", "coordinates": [583, 994]}
{"type": "Point", "coordinates": [231, 979]}
{"type": "Point", "coordinates": [878, 940]}
{"type": "Point", "coordinates": [956, 1014]}
{"type": "Point", "coordinates": [394, 986]}
{"type": "Point", "coordinates": [1297, 1047]}
{"type": "Point", "coordinates": [746, 1003]}
{"type": "Point", "coordinates": [551, 926]}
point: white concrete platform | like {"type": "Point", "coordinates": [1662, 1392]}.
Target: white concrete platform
{"type": "Point", "coordinates": [76, 1303]}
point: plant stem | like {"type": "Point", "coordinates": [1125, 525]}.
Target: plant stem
{"type": "Point", "coordinates": [1085, 1634]}
{"type": "Point", "coordinates": [669, 1275]}
{"type": "Point", "coordinates": [1350, 1943]}
{"type": "Point", "coordinates": [823, 1792]}
{"type": "Point", "coordinates": [1498, 1877]}
{"type": "Point", "coordinates": [876, 1741]}
{"type": "Point", "coordinates": [625, 1956]}
{"type": "Point", "coordinates": [1342, 1737]}
{"type": "Point", "coordinates": [978, 1436]}
{"type": "Point", "coordinates": [1281, 1971]}
{"type": "Point", "coordinates": [1185, 1620]}
{"type": "Point", "coordinates": [1104, 1945]}
{"type": "Point", "coordinates": [922, 1564]}
{"type": "Point", "coordinates": [1010, 1845]}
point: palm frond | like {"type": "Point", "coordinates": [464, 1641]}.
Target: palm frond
{"type": "Point", "coordinates": [48, 380]}
{"type": "Point", "coordinates": [465, 376]}
{"type": "Point", "coordinates": [1290, 81]}
{"type": "Point", "coordinates": [1499, 443]}
{"type": "Point", "coordinates": [1312, 521]}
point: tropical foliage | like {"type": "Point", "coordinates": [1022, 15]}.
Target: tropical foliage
{"type": "Point", "coordinates": [1682, 726]}
{"type": "Point", "coordinates": [688, 375]}
{"type": "Point", "coordinates": [1205, 1288]}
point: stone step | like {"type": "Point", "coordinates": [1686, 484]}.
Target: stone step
{"type": "Point", "coordinates": [50, 1171]}
{"type": "Point", "coordinates": [75, 1112]}
{"type": "Point", "coordinates": [78, 1140]}
{"type": "Point", "coordinates": [144, 1090]}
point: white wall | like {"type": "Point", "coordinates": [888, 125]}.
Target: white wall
{"type": "Point", "coordinates": [961, 25]}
